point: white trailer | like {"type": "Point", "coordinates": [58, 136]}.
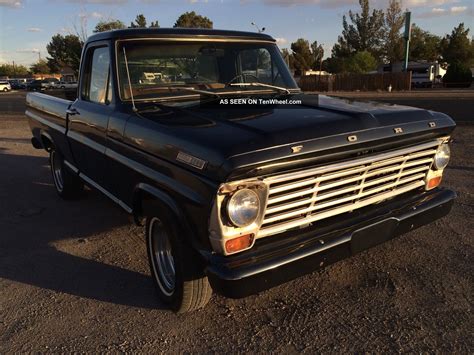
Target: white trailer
{"type": "Point", "coordinates": [426, 74]}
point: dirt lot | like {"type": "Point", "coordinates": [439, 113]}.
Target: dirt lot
{"type": "Point", "coordinates": [74, 278]}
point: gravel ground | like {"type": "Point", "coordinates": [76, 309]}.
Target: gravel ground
{"type": "Point", "coordinates": [74, 278]}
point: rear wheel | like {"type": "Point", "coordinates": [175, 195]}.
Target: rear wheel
{"type": "Point", "coordinates": [68, 185]}
{"type": "Point", "coordinates": [5, 89]}
{"type": "Point", "coordinates": [178, 277]}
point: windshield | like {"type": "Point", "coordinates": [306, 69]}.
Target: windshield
{"type": "Point", "coordinates": [170, 70]}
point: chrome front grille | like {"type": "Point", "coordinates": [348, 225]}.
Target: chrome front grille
{"type": "Point", "coordinates": [300, 198]}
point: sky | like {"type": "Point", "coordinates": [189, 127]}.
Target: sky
{"type": "Point", "coordinates": [26, 26]}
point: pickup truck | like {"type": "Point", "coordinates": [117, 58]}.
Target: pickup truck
{"type": "Point", "coordinates": [237, 195]}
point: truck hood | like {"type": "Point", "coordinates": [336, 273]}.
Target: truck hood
{"type": "Point", "coordinates": [233, 141]}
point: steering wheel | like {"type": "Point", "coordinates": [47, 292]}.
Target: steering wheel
{"type": "Point", "coordinates": [243, 75]}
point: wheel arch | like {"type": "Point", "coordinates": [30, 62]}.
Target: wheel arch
{"type": "Point", "coordinates": [46, 141]}
{"type": "Point", "coordinates": [148, 198]}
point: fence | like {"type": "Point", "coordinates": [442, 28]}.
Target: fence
{"type": "Point", "coordinates": [353, 82]}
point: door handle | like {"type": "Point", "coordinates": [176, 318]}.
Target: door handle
{"type": "Point", "coordinates": [72, 112]}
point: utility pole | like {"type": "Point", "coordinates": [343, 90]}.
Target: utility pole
{"type": "Point", "coordinates": [14, 71]}
{"type": "Point", "coordinates": [407, 37]}
{"type": "Point", "coordinates": [320, 65]}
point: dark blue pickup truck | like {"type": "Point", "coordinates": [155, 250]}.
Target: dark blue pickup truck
{"type": "Point", "coordinates": [243, 182]}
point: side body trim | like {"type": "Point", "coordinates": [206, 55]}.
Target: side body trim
{"type": "Point", "coordinates": [45, 122]}
{"type": "Point", "coordinates": [86, 141]}
{"type": "Point", "coordinates": [72, 167]}
{"type": "Point", "coordinates": [91, 182]}
{"type": "Point", "coordinates": [154, 175]}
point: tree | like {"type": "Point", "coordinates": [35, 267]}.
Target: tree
{"type": "Point", "coordinates": [457, 47]}
{"type": "Point", "coordinates": [140, 22]}
{"type": "Point", "coordinates": [335, 64]}
{"type": "Point", "coordinates": [109, 25]}
{"type": "Point", "coordinates": [193, 20]}
{"type": "Point", "coordinates": [317, 53]}
{"type": "Point", "coordinates": [361, 62]}
{"type": "Point", "coordinates": [80, 26]}
{"type": "Point", "coordinates": [424, 45]}
{"type": "Point", "coordinates": [40, 67]}
{"type": "Point", "coordinates": [302, 56]}
{"type": "Point", "coordinates": [64, 51]}
{"type": "Point", "coordinates": [365, 33]}
{"type": "Point", "coordinates": [394, 21]}
{"type": "Point", "coordinates": [13, 71]}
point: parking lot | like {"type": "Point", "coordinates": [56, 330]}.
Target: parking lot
{"type": "Point", "coordinates": [74, 275]}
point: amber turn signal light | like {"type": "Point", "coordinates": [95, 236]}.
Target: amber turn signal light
{"type": "Point", "coordinates": [433, 182]}
{"type": "Point", "coordinates": [239, 243]}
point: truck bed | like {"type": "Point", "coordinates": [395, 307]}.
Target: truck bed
{"type": "Point", "coordinates": [47, 118]}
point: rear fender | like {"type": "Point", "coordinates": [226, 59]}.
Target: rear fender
{"type": "Point", "coordinates": [46, 140]}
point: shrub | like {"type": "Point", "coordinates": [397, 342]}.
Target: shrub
{"type": "Point", "coordinates": [458, 75]}
{"type": "Point", "coordinates": [361, 63]}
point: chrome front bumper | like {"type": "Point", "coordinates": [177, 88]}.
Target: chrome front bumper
{"type": "Point", "coordinates": [273, 261]}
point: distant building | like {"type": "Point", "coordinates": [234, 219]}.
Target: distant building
{"type": "Point", "coordinates": [316, 72]}
{"type": "Point", "coordinates": [41, 76]}
{"type": "Point", "coordinates": [67, 74]}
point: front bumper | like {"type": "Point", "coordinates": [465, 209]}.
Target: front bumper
{"type": "Point", "coordinates": [280, 258]}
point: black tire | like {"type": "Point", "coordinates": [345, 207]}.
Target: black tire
{"type": "Point", "coordinates": [68, 185]}
{"type": "Point", "coordinates": [188, 289]}
{"type": "Point", "coordinates": [5, 89]}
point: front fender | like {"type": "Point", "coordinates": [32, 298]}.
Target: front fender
{"type": "Point", "coordinates": [147, 199]}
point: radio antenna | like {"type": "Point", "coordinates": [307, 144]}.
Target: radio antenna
{"type": "Point", "coordinates": [129, 81]}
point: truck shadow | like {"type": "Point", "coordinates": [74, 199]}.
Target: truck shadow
{"type": "Point", "coordinates": [33, 220]}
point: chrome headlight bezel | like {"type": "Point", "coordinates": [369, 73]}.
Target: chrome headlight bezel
{"type": "Point", "coordinates": [221, 226]}
{"type": "Point", "coordinates": [442, 157]}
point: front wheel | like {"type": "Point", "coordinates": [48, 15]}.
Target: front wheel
{"type": "Point", "coordinates": [178, 277]}
{"type": "Point", "coordinates": [5, 89]}
{"type": "Point", "coordinates": [68, 186]}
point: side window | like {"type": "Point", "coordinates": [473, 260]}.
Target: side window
{"type": "Point", "coordinates": [96, 86]}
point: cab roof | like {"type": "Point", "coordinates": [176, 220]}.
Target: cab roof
{"type": "Point", "coordinates": [190, 33]}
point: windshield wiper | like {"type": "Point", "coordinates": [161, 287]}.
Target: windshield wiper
{"type": "Point", "coordinates": [183, 88]}
{"type": "Point", "coordinates": [191, 89]}
{"type": "Point", "coordinates": [156, 106]}
{"type": "Point", "coordinates": [263, 85]}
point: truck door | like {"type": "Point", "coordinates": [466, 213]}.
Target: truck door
{"type": "Point", "coordinates": [89, 114]}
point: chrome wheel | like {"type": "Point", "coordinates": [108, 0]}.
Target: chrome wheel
{"type": "Point", "coordinates": [57, 170]}
{"type": "Point", "coordinates": [163, 261]}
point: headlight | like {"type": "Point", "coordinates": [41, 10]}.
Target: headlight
{"type": "Point", "coordinates": [243, 207]}
{"type": "Point", "coordinates": [442, 156]}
